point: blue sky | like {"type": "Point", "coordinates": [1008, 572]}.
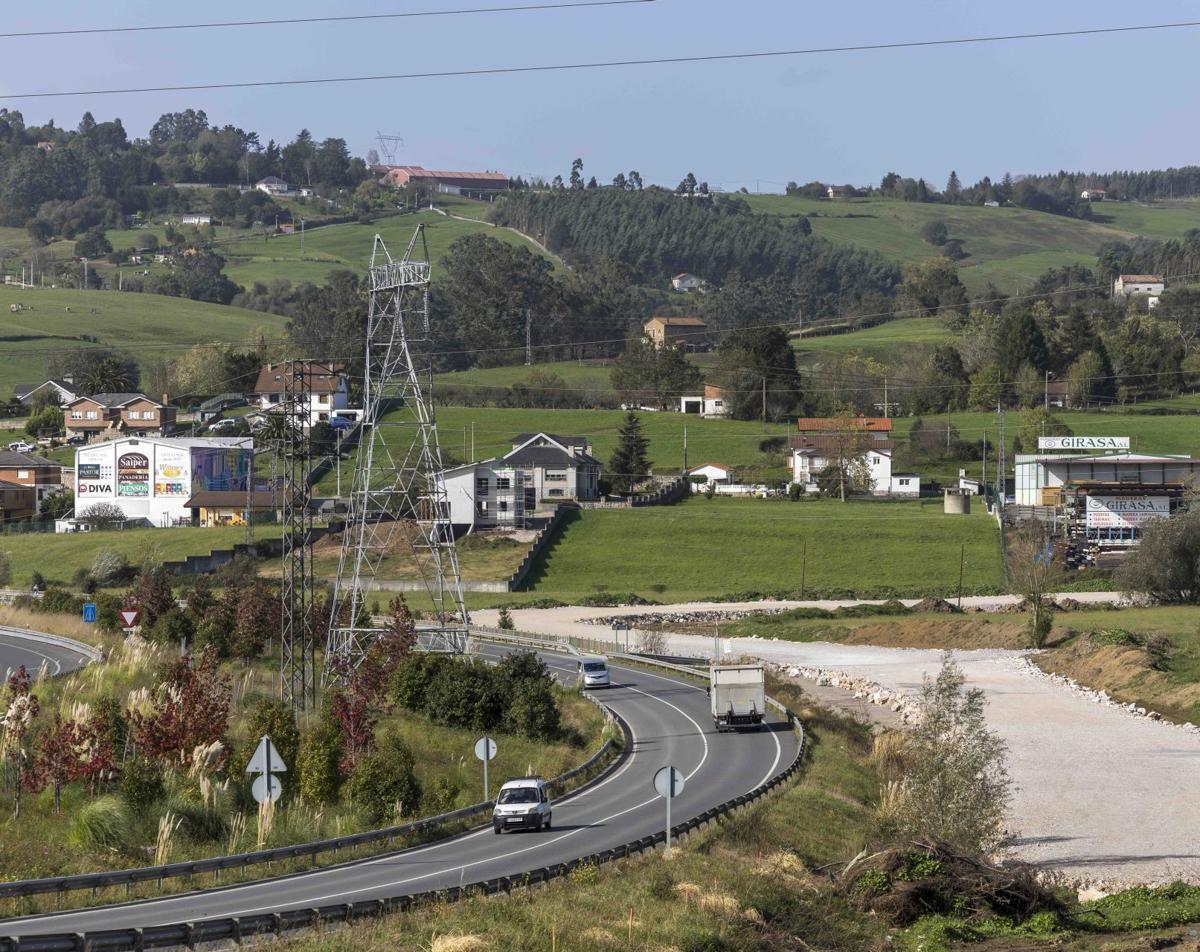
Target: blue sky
{"type": "Point", "coordinates": [1093, 103]}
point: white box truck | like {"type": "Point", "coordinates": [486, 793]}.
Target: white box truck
{"type": "Point", "coordinates": [738, 695]}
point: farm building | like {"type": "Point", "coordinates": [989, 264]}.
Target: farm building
{"type": "Point", "coordinates": [713, 404]}
{"type": "Point", "coordinates": [685, 332]}
{"type": "Point", "coordinates": [471, 184]}
{"type": "Point", "coordinates": [272, 185]}
{"type": "Point", "coordinates": [1092, 194]}
{"type": "Point", "coordinates": [688, 282]}
{"type": "Point", "coordinates": [711, 473]}
{"type": "Point", "coordinates": [1138, 285]}
{"type": "Point", "coordinates": [153, 481]}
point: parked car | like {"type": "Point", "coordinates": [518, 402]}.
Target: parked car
{"type": "Point", "coordinates": [77, 439]}
{"type": "Point", "coordinates": [225, 424]}
{"type": "Point", "coordinates": [522, 804]}
{"type": "Point", "coordinates": [20, 446]}
{"type": "Point", "coordinates": [593, 673]}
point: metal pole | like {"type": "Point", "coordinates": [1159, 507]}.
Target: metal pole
{"type": "Point", "coordinates": [670, 789]}
{"type": "Point", "coordinates": [962, 559]}
{"type": "Point", "coordinates": [486, 751]}
{"type": "Point", "coordinates": [803, 566]}
{"type": "Point", "coordinates": [685, 466]}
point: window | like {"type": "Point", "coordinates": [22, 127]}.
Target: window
{"type": "Point", "coordinates": [556, 477]}
{"type": "Point", "coordinates": [92, 415]}
{"type": "Point", "coordinates": [481, 485]}
{"type": "Point", "coordinates": [22, 474]}
{"type": "Point", "coordinates": [504, 505]}
{"type": "Point", "coordinates": [555, 492]}
{"type": "Point", "coordinates": [135, 414]}
{"type": "Point", "coordinates": [904, 482]}
{"type": "Point", "coordinates": [874, 460]}
{"type": "Point", "coordinates": [76, 414]}
{"type": "Point", "coordinates": [147, 414]}
{"type": "Point", "coordinates": [503, 482]}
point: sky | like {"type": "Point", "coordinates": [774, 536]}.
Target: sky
{"type": "Point", "coordinates": [1124, 101]}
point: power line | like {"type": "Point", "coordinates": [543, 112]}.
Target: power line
{"type": "Point", "coordinates": [610, 64]}
{"type": "Point", "coordinates": [84, 31]}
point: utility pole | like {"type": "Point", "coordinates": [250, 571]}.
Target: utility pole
{"type": "Point", "coordinates": [528, 339]}
{"type": "Point", "coordinates": [764, 399]}
{"type": "Point", "coordinates": [984, 479]}
{"type": "Point", "coordinates": [885, 398]}
{"type": "Point", "coordinates": [1000, 488]}
{"type": "Point", "coordinates": [685, 466]}
{"type": "Point", "coordinates": [1046, 399]}
{"type": "Point", "coordinates": [962, 561]}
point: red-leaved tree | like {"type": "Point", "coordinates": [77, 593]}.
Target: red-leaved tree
{"type": "Point", "coordinates": [60, 760]}
{"type": "Point", "coordinates": [191, 708]}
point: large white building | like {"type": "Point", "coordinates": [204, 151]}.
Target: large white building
{"type": "Point", "coordinates": [487, 495]}
{"type": "Point", "coordinates": [1042, 478]}
{"type": "Point", "coordinates": [152, 479]}
{"type": "Point", "coordinates": [1139, 285]}
{"type": "Point", "coordinates": [328, 387]}
{"type": "Point", "coordinates": [809, 461]}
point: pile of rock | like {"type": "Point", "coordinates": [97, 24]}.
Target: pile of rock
{"type": "Point", "coordinates": [680, 618]}
{"type": "Point", "coordinates": [907, 706]}
{"type": "Point", "coordinates": [1097, 697]}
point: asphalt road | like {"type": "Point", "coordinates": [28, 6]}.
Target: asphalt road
{"type": "Point", "coordinates": [671, 724]}
{"type": "Point", "coordinates": [18, 648]}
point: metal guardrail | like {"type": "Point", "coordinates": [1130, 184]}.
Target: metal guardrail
{"type": "Point", "coordinates": [216, 864]}
{"type": "Point", "coordinates": [239, 928]}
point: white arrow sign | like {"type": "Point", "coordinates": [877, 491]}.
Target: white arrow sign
{"type": "Point", "coordinates": [266, 759]}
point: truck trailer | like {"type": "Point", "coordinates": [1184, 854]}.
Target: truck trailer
{"type": "Point", "coordinates": [738, 695]}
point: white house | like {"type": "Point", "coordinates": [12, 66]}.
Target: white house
{"type": "Point", "coordinates": [272, 185]}
{"type": "Point", "coordinates": [712, 404]}
{"type": "Point", "coordinates": [816, 448]}
{"type": "Point", "coordinates": [688, 282]}
{"type": "Point", "coordinates": [327, 383]}
{"type": "Point", "coordinates": [152, 479]}
{"type": "Point", "coordinates": [972, 487]}
{"type": "Point", "coordinates": [1130, 285]}
{"type": "Point", "coordinates": [487, 495]}
{"type": "Point", "coordinates": [197, 220]}
{"type": "Point", "coordinates": [1092, 194]}
{"type": "Point", "coordinates": [838, 191]}
{"type": "Point", "coordinates": [712, 473]}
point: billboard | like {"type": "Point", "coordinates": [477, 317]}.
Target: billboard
{"type": "Point", "coordinates": [94, 474]}
{"type": "Point", "coordinates": [133, 474]}
{"type": "Point", "coordinates": [1083, 442]}
{"type": "Point", "coordinates": [172, 471]}
{"type": "Point", "coordinates": [1125, 512]}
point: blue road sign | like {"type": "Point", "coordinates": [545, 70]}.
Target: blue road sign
{"type": "Point", "coordinates": [89, 612]}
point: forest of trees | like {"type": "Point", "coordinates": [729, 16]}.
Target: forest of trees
{"type": "Point", "coordinates": [658, 234]}
{"type": "Point", "coordinates": [73, 180]}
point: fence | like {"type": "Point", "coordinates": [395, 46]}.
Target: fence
{"type": "Point", "coordinates": [239, 928]}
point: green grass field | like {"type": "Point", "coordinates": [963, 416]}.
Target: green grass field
{"type": "Point", "coordinates": [145, 325]}
{"type": "Point", "coordinates": [349, 246]}
{"type": "Point", "coordinates": [578, 375]}
{"type": "Point", "coordinates": [58, 557]}
{"type": "Point", "coordinates": [1008, 246]}
{"type": "Point", "coordinates": [712, 547]}
{"type": "Point", "coordinates": [880, 341]}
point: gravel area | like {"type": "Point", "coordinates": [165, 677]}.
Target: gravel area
{"type": "Point", "coordinates": [1104, 795]}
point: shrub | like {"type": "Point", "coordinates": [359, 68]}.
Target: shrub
{"type": "Point", "coordinates": [199, 822]}
{"type": "Point", "coordinates": [109, 566]}
{"type": "Point", "coordinates": [441, 796]}
{"type": "Point", "coordinates": [58, 601]}
{"type": "Point", "coordinates": [533, 711]}
{"type": "Point", "coordinates": [5, 570]}
{"type": "Point", "coordinates": [412, 678]}
{"type": "Point", "coordinates": [141, 784]}
{"type": "Point", "coordinates": [466, 694]}
{"type": "Point", "coordinates": [212, 634]}
{"type": "Point", "coordinates": [506, 621]}
{"type": "Point", "coordinates": [275, 719]}
{"type": "Point", "coordinates": [317, 762]}
{"type": "Point", "coordinates": [101, 826]}
{"type": "Point", "coordinates": [37, 580]}
{"type": "Point", "coordinates": [384, 782]}
{"type": "Point", "coordinates": [173, 627]}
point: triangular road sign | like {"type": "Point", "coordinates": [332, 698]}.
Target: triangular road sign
{"type": "Point", "coordinates": [266, 758]}
{"type": "Point", "coordinates": [130, 617]}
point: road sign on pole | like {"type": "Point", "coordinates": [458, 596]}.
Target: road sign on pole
{"type": "Point", "coordinates": [266, 762]}
{"type": "Point", "coordinates": [130, 616]}
{"type": "Point", "coordinates": [485, 750]}
{"type": "Point", "coordinates": [668, 782]}
{"type": "Point", "coordinates": [89, 612]}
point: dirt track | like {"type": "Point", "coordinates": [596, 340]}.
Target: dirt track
{"type": "Point", "coordinates": [1101, 795]}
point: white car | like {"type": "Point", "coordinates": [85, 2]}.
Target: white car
{"type": "Point", "coordinates": [593, 673]}
{"type": "Point", "coordinates": [522, 805]}
{"type": "Point", "coordinates": [20, 446]}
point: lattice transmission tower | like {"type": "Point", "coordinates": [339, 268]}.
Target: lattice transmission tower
{"type": "Point", "coordinates": [398, 502]}
{"type": "Point", "coordinates": [293, 473]}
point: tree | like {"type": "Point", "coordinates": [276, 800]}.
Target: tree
{"type": "Point", "coordinates": [1165, 566]}
{"type": "Point", "coordinates": [93, 244]}
{"type": "Point", "coordinates": [956, 786]}
{"type": "Point", "coordinates": [987, 386]}
{"type": "Point", "coordinates": [1084, 379]}
{"type": "Point", "coordinates": [687, 186]}
{"type": "Point", "coordinates": [1019, 340]}
{"type": "Point", "coordinates": [274, 719]}
{"type": "Point", "coordinates": [153, 596]}
{"type": "Point", "coordinates": [754, 362]}
{"type": "Point", "coordinates": [384, 784]}
{"type": "Point", "coordinates": [58, 761]}
{"type": "Point", "coordinates": [953, 187]}
{"type": "Point", "coordinates": [190, 710]}
{"type": "Point", "coordinates": [533, 711]}
{"type": "Point", "coordinates": [846, 447]}
{"type": "Point", "coordinates": [1038, 421]}
{"type": "Point", "coordinates": [935, 232]}
{"type": "Point", "coordinates": [1034, 575]}
{"type": "Point", "coordinates": [259, 617]}
{"type": "Point", "coordinates": [577, 174]}
{"type": "Point", "coordinates": [932, 287]}
{"type": "Point", "coordinates": [319, 762]}
{"type": "Point", "coordinates": [400, 634]}
{"type": "Point", "coordinates": [645, 373]}
{"type": "Point", "coordinates": [5, 569]}
{"type": "Point", "coordinates": [629, 464]}
{"type": "Point", "coordinates": [21, 708]}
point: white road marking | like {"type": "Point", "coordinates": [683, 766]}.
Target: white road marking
{"type": "Point", "coordinates": [23, 647]}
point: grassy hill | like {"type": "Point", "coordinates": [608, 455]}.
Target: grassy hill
{"type": "Point", "coordinates": [880, 341]}
{"type": "Point", "coordinates": [145, 325]}
{"type": "Point", "coordinates": [1007, 246]}
{"type": "Point", "coordinates": [348, 246]}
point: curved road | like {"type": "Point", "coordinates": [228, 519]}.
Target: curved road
{"type": "Point", "coordinates": [18, 647]}
{"type": "Point", "coordinates": [670, 723]}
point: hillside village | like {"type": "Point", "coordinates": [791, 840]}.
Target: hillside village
{"type": "Point", "coordinates": [333, 484]}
